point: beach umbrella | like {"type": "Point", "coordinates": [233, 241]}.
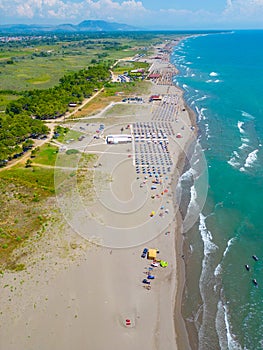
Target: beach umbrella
{"type": "Point", "coordinates": [163, 263]}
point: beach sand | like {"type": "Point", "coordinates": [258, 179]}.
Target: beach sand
{"type": "Point", "coordinates": [84, 302]}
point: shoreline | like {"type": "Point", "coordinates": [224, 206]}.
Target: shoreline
{"type": "Point", "coordinates": [188, 335]}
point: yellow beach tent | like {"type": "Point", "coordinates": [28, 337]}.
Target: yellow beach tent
{"type": "Point", "coordinates": [152, 253]}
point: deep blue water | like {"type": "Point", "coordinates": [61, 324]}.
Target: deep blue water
{"type": "Point", "coordinates": [222, 76]}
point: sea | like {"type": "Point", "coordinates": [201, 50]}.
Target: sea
{"type": "Point", "coordinates": [222, 78]}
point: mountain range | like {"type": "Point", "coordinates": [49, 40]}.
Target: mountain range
{"type": "Point", "coordinates": [85, 26]}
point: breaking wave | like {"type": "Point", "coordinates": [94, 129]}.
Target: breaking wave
{"type": "Point", "coordinates": [251, 158]}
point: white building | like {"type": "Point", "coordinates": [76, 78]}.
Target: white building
{"type": "Point", "coordinates": [115, 139]}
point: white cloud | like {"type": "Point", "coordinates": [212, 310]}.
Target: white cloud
{"type": "Point", "coordinates": [247, 7]}
{"type": "Point", "coordinates": [127, 10]}
{"type": "Point", "coordinates": [247, 12]}
{"type": "Point", "coordinates": [131, 12]}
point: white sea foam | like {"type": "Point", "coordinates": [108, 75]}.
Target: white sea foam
{"type": "Point", "coordinates": [223, 328]}
{"type": "Point", "coordinates": [209, 81]}
{"type": "Point", "coordinates": [213, 74]}
{"type": "Point", "coordinates": [244, 145]}
{"type": "Point", "coordinates": [251, 158]}
{"type": "Point", "coordinates": [192, 75]}
{"type": "Point", "coordinates": [233, 162]}
{"type": "Point", "coordinates": [200, 113]}
{"type": "Point", "coordinates": [186, 176]}
{"type": "Point", "coordinates": [220, 326]}
{"type": "Point", "coordinates": [218, 270]}
{"type": "Point", "coordinates": [205, 278]}
{"type": "Point", "coordinates": [229, 244]}
{"type": "Point", "coordinates": [193, 210]}
{"type": "Point", "coordinates": [193, 203]}
{"type": "Point", "coordinates": [240, 127]}
{"type": "Point", "coordinates": [247, 115]}
{"type": "Point", "coordinates": [207, 131]}
{"type": "Point", "coordinates": [189, 174]}
{"type": "Point", "coordinates": [231, 342]}
{"type": "Point", "coordinates": [236, 154]}
{"type": "Point", "coordinates": [202, 98]}
{"type": "Point", "coordinates": [217, 81]}
{"type": "Point", "coordinates": [207, 237]}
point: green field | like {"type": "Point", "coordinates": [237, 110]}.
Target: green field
{"type": "Point", "coordinates": [23, 194]}
{"type": "Point", "coordinates": [47, 155]}
{"type": "Point", "coordinates": [122, 67]}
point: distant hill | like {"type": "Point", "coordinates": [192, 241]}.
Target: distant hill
{"type": "Point", "coordinates": [85, 26]}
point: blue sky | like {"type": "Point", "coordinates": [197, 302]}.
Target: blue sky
{"type": "Point", "coordinates": [154, 14]}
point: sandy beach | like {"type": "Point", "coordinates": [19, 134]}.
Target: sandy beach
{"type": "Point", "coordinates": [85, 302]}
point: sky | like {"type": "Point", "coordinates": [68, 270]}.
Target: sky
{"type": "Point", "coordinates": [145, 14]}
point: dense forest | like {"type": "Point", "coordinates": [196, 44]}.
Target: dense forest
{"type": "Point", "coordinates": [23, 118]}
{"type": "Point", "coordinates": [15, 134]}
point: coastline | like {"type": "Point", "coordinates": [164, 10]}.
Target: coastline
{"type": "Point", "coordinates": [187, 338]}
{"type": "Point", "coordinates": [151, 312]}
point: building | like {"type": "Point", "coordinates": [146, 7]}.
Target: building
{"type": "Point", "coordinates": [116, 139]}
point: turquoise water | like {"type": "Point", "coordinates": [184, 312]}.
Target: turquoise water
{"type": "Point", "coordinates": [222, 76]}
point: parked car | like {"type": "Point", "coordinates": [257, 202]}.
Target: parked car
{"type": "Point", "coordinates": [150, 277]}
{"type": "Point", "coordinates": [145, 281]}
{"type": "Point", "coordinates": [145, 251]}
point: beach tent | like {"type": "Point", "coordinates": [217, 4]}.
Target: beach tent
{"type": "Point", "coordinates": [179, 136]}
{"type": "Point", "coordinates": [152, 253]}
{"type": "Point", "coordinates": [163, 263]}
{"type": "Point", "coordinates": [152, 213]}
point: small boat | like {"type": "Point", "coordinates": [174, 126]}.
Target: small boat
{"type": "Point", "coordinates": [255, 282]}
{"type": "Point", "coordinates": [247, 267]}
{"type": "Point", "coordinates": [255, 257]}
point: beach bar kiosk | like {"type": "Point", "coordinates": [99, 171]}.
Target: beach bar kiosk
{"type": "Point", "coordinates": [152, 254]}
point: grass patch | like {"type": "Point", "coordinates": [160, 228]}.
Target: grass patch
{"type": "Point", "coordinates": [44, 78]}
{"type": "Point", "coordinates": [122, 110]}
{"type": "Point", "coordinates": [47, 155]}
{"type": "Point", "coordinates": [39, 179]}
{"type": "Point", "coordinates": [69, 136]}
{"type": "Point", "coordinates": [23, 210]}
{"type": "Point", "coordinates": [125, 66]}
